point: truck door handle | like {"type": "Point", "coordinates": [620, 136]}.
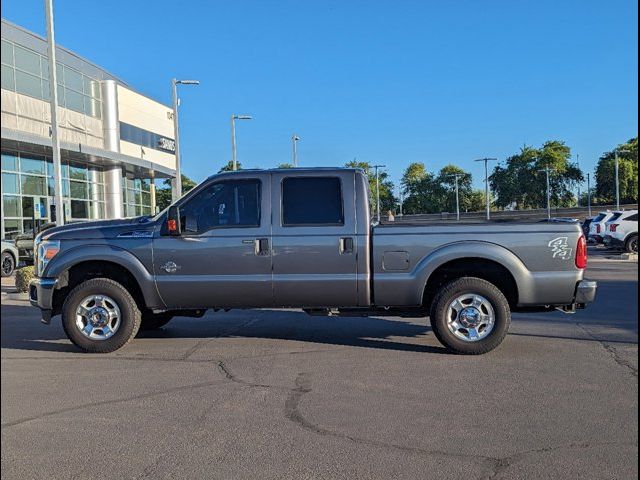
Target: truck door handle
{"type": "Point", "coordinates": [262, 246]}
{"type": "Point", "coordinates": [346, 245]}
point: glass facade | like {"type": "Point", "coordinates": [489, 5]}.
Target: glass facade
{"type": "Point", "coordinates": [27, 72]}
{"type": "Point", "coordinates": [136, 197]}
{"type": "Point", "coordinates": [27, 182]}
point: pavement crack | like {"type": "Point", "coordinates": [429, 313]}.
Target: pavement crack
{"type": "Point", "coordinates": [109, 402]}
{"type": "Point", "coordinates": [293, 413]}
{"type": "Point", "coordinates": [224, 333]}
{"type": "Point", "coordinates": [230, 376]}
{"type": "Point", "coordinates": [612, 351]}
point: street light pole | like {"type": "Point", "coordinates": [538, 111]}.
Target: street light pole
{"type": "Point", "coordinates": [401, 199]}
{"type": "Point", "coordinates": [456, 176]}
{"type": "Point", "coordinates": [589, 192]}
{"type": "Point", "coordinates": [486, 182]}
{"type": "Point", "coordinates": [294, 141]}
{"type": "Point", "coordinates": [547, 170]}
{"type": "Point", "coordinates": [378, 190]}
{"type": "Point", "coordinates": [578, 162]}
{"type": "Point", "coordinates": [53, 102]}
{"type": "Point", "coordinates": [617, 181]}
{"type": "Point", "coordinates": [176, 183]}
{"type": "Point", "coordinates": [234, 152]}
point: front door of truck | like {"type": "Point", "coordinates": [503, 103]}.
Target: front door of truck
{"type": "Point", "coordinates": [223, 256]}
{"type": "Point", "coordinates": [314, 239]}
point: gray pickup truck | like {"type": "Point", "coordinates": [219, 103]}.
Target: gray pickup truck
{"type": "Point", "coordinates": [302, 238]}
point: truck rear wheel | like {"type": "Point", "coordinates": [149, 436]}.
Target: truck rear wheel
{"type": "Point", "coordinates": [100, 316]}
{"type": "Point", "coordinates": [470, 316]}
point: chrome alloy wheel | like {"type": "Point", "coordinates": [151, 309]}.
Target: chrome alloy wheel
{"type": "Point", "coordinates": [470, 317]}
{"type": "Point", "coordinates": [98, 317]}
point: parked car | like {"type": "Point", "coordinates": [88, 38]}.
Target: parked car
{"type": "Point", "coordinates": [24, 243]}
{"type": "Point", "coordinates": [9, 258]}
{"type": "Point", "coordinates": [596, 229]}
{"type": "Point", "coordinates": [621, 231]}
{"type": "Point", "coordinates": [302, 238]}
{"type": "Point", "coordinates": [585, 226]}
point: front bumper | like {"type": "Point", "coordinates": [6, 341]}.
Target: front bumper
{"type": "Point", "coordinates": [41, 296]}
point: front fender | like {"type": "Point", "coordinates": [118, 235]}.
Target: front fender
{"type": "Point", "coordinates": [107, 253]}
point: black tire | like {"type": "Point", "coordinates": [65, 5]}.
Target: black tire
{"type": "Point", "coordinates": [154, 321]}
{"type": "Point", "coordinates": [470, 285]}
{"type": "Point", "coordinates": [8, 264]}
{"type": "Point", "coordinates": [130, 316]}
{"type": "Point", "coordinates": [631, 244]}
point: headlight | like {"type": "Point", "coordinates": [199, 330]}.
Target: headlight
{"type": "Point", "coordinates": [44, 251]}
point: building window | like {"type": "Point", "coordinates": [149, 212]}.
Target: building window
{"type": "Point", "coordinates": [27, 180]}
{"type": "Point", "coordinates": [27, 72]}
{"type": "Point", "coordinates": [136, 197]}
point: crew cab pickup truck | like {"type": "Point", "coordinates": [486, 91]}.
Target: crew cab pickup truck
{"type": "Point", "coordinates": [302, 238]}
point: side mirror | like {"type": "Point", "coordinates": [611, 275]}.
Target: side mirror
{"type": "Point", "coordinates": [173, 221]}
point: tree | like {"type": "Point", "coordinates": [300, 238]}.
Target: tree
{"type": "Point", "coordinates": [387, 199]}
{"type": "Point", "coordinates": [163, 195]}
{"type": "Point", "coordinates": [521, 183]}
{"type": "Point", "coordinates": [627, 173]}
{"type": "Point", "coordinates": [229, 167]}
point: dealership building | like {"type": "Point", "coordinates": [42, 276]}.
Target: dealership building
{"type": "Point", "coordinates": [114, 140]}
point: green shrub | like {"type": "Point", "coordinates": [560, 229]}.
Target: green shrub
{"type": "Point", "coordinates": [23, 277]}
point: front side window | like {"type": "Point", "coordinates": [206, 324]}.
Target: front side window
{"type": "Point", "coordinates": [230, 203]}
{"type": "Point", "coordinates": [312, 201]}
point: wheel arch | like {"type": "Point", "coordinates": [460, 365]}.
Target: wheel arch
{"type": "Point", "coordinates": [79, 264]}
{"type": "Point", "coordinates": [485, 260]}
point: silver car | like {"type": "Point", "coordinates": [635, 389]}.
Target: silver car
{"type": "Point", "coordinates": [9, 258]}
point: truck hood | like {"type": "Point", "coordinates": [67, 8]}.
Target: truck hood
{"type": "Point", "coordinates": [100, 229]}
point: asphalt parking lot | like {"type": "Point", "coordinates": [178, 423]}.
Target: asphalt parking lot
{"type": "Point", "coordinates": [278, 394]}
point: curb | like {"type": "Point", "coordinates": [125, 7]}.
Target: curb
{"type": "Point", "coordinates": [17, 296]}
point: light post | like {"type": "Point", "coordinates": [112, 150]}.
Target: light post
{"type": "Point", "coordinates": [617, 181]}
{"type": "Point", "coordinates": [486, 182]}
{"type": "Point", "coordinates": [234, 152]}
{"type": "Point", "coordinates": [547, 170]}
{"type": "Point", "coordinates": [53, 102]}
{"type": "Point", "coordinates": [589, 193]}
{"type": "Point", "coordinates": [578, 163]}
{"type": "Point", "coordinates": [401, 199]}
{"type": "Point", "coordinates": [378, 190]}
{"type": "Point", "coordinates": [456, 176]}
{"type": "Point", "coordinates": [176, 183]}
{"type": "Point", "coordinates": [294, 141]}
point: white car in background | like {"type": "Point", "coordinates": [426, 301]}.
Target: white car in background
{"type": "Point", "coordinates": [621, 231]}
{"type": "Point", "coordinates": [9, 258]}
{"type": "Point", "coordinates": [597, 226]}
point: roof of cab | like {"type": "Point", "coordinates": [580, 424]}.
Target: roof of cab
{"type": "Point", "coordinates": [289, 170]}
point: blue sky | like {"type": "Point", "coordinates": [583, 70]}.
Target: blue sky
{"type": "Point", "coordinates": [388, 82]}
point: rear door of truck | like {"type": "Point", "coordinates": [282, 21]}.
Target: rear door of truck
{"type": "Point", "coordinates": [314, 238]}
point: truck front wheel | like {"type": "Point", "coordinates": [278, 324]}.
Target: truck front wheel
{"type": "Point", "coordinates": [100, 316]}
{"type": "Point", "coordinates": [470, 316]}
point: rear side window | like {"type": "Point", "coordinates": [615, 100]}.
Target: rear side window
{"type": "Point", "coordinates": [226, 204]}
{"type": "Point", "coordinates": [632, 218]}
{"type": "Point", "coordinates": [600, 217]}
{"type": "Point", "coordinates": [312, 201]}
{"type": "Point", "coordinates": [615, 217]}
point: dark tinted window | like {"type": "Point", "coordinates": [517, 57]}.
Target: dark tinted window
{"type": "Point", "coordinates": [615, 217]}
{"type": "Point", "coordinates": [232, 203]}
{"type": "Point", "coordinates": [312, 201]}
{"type": "Point", "coordinates": [632, 218]}
{"type": "Point", "coordinates": [600, 217]}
